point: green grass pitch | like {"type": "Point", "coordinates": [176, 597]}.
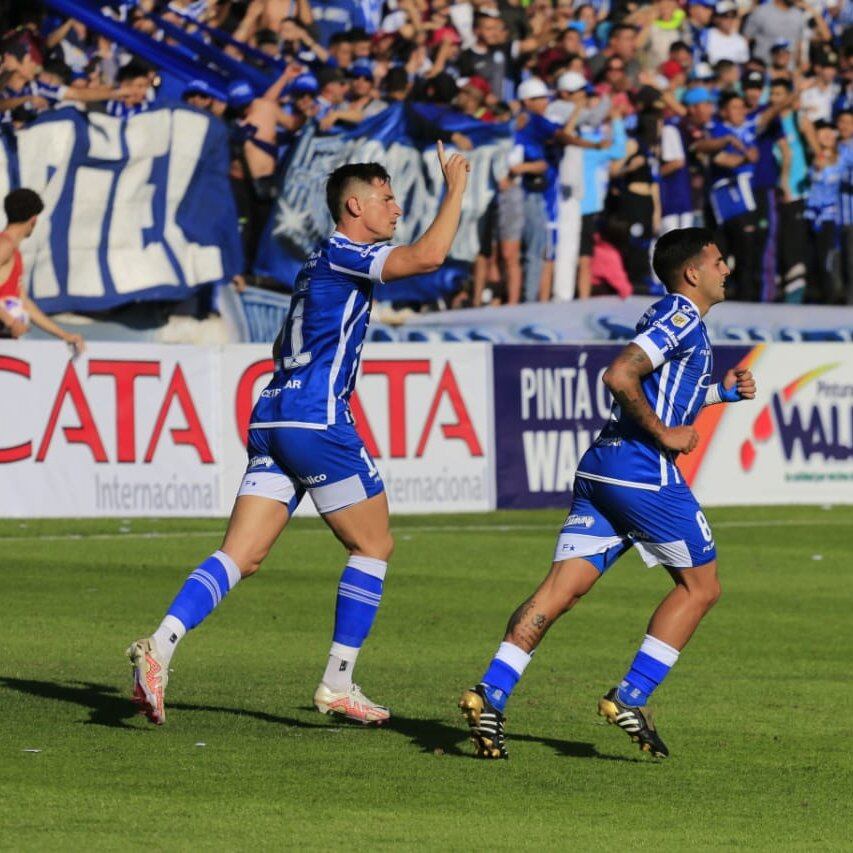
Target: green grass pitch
{"type": "Point", "coordinates": [756, 713]}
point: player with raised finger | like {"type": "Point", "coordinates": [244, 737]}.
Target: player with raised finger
{"type": "Point", "coordinates": [629, 492]}
{"type": "Point", "coordinates": [302, 437]}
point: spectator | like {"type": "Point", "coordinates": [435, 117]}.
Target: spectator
{"type": "Point", "coordinates": [492, 56]}
{"type": "Point", "coordinates": [823, 213]}
{"type": "Point", "coordinates": [816, 103]}
{"type": "Point", "coordinates": [17, 309]}
{"type": "Point", "coordinates": [793, 183]}
{"type": "Point", "coordinates": [724, 41]}
{"type": "Point", "coordinates": [596, 162]}
{"type": "Point", "coordinates": [774, 22]}
{"type": "Point", "coordinates": [621, 46]}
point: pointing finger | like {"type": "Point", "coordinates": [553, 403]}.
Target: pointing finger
{"type": "Point", "coordinates": [442, 157]}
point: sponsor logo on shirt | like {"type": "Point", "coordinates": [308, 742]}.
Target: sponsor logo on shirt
{"type": "Point", "coordinates": [579, 521]}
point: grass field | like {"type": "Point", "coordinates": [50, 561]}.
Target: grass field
{"type": "Point", "coordinates": [756, 713]}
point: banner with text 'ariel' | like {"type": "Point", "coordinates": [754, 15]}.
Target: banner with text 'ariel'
{"type": "Point", "coordinates": [135, 209]}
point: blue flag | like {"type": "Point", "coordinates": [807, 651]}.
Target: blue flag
{"type": "Point", "coordinates": [401, 138]}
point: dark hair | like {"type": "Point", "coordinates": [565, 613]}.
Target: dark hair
{"type": "Point", "coordinates": [340, 180]}
{"type": "Point", "coordinates": [59, 69]}
{"type": "Point", "coordinates": [678, 45]}
{"type": "Point", "coordinates": [22, 204]}
{"type": "Point", "coordinates": [675, 249]}
{"type": "Point", "coordinates": [620, 28]}
{"type": "Point", "coordinates": [723, 65]}
{"type": "Point", "coordinates": [726, 98]}
{"type": "Point", "coordinates": [397, 79]}
{"type": "Point", "coordinates": [784, 82]}
{"type": "Point", "coordinates": [131, 71]}
{"type": "Point", "coordinates": [842, 113]}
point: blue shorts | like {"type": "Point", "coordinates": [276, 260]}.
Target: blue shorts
{"type": "Point", "coordinates": [666, 526]}
{"type": "Point", "coordinates": [332, 465]}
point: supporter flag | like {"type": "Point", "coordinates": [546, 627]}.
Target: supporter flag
{"type": "Point", "coordinates": [394, 137]}
{"type": "Point", "coordinates": [135, 209]}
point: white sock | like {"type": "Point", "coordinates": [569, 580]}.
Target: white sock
{"type": "Point", "coordinates": [338, 674]}
{"type": "Point", "coordinates": [167, 637]}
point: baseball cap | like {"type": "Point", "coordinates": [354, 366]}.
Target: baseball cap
{"type": "Point", "coordinates": [360, 70]}
{"type": "Point", "coordinates": [702, 71]}
{"type": "Point", "coordinates": [671, 69]}
{"type": "Point", "coordinates": [708, 4]}
{"type": "Point", "coordinates": [571, 81]}
{"type": "Point", "coordinates": [780, 44]}
{"type": "Point", "coordinates": [753, 80]}
{"type": "Point", "coordinates": [533, 87]}
{"type": "Point", "coordinates": [198, 87]}
{"type": "Point", "coordinates": [240, 94]}
{"type": "Point", "coordinates": [477, 82]}
{"type": "Point", "coordinates": [698, 95]}
{"type": "Point", "coordinates": [725, 7]}
{"type": "Point", "coordinates": [442, 33]}
{"type": "Point", "coordinates": [304, 84]}
{"type": "Point", "coordinates": [826, 58]}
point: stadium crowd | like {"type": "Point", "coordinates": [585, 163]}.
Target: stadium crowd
{"type": "Point", "coordinates": [629, 119]}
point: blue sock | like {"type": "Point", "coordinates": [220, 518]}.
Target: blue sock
{"type": "Point", "coordinates": [504, 671]}
{"type": "Point", "coordinates": [359, 594]}
{"type": "Point", "coordinates": [651, 665]}
{"type": "Point", "coordinates": [204, 589]}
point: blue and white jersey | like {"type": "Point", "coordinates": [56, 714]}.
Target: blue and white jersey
{"type": "Point", "coordinates": [33, 89]}
{"type": "Point", "coordinates": [319, 347]}
{"type": "Point", "coordinates": [672, 334]}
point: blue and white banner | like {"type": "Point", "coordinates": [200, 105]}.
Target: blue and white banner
{"type": "Point", "coordinates": [301, 219]}
{"type": "Point", "coordinates": [135, 209]}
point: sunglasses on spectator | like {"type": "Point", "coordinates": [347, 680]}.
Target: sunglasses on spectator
{"type": "Point", "coordinates": [729, 15]}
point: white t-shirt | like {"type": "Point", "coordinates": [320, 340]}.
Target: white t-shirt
{"type": "Point", "coordinates": [671, 146]}
{"type": "Point", "coordinates": [816, 103]}
{"type": "Point", "coordinates": [720, 46]}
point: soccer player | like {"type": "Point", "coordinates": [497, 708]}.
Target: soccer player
{"type": "Point", "coordinates": [17, 310]}
{"type": "Point", "coordinates": [628, 491]}
{"type": "Point", "coordinates": [302, 436]}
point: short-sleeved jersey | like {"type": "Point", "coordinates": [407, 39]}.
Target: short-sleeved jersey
{"type": "Point", "coordinates": [672, 334]}
{"type": "Point", "coordinates": [318, 349]}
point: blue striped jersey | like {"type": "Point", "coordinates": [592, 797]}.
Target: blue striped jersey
{"type": "Point", "coordinates": [33, 89]}
{"type": "Point", "coordinates": [672, 334]}
{"type": "Point", "coordinates": [318, 349]}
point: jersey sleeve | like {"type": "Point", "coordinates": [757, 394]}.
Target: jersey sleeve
{"type": "Point", "coordinates": [360, 260]}
{"type": "Point", "coordinates": [664, 336]}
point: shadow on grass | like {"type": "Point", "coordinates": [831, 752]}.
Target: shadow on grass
{"type": "Point", "coordinates": [435, 737]}
{"type": "Point", "coordinates": [109, 707]}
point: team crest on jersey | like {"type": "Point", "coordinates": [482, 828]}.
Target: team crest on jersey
{"type": "Point", "coordinates": [680, 320]}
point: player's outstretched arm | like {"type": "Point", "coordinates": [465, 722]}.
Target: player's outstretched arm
{"type": "Point", "coordinates": [623, 379]}
{"type": "Point", "coordinates": [429, 252]}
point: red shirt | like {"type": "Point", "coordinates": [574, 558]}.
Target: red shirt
{"type": "Point", "coordinates": [12, 285]}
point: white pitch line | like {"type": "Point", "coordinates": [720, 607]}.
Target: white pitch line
{"type": "Point", "coordinates": [439, 528]}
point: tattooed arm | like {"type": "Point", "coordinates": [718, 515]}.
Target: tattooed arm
{"type": "Point", "coordinates": [623, 379]}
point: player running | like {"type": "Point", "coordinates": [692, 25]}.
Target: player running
{"type": "Point", "coordinates": [628, 491]}
{"type": "Point", "coordinates": [302, 436]}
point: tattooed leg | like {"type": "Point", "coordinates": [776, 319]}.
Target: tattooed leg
{"type": "Point", "coordinates": [562, 588]}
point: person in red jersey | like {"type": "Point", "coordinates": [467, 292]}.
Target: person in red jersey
{"type": "Point", "coordinates": [17, 310]}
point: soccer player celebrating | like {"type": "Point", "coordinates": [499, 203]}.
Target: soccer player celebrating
{"type": "Point", "coordinates": [302, 436]}
{"type": "Point", "coordinates": [628, 491]}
